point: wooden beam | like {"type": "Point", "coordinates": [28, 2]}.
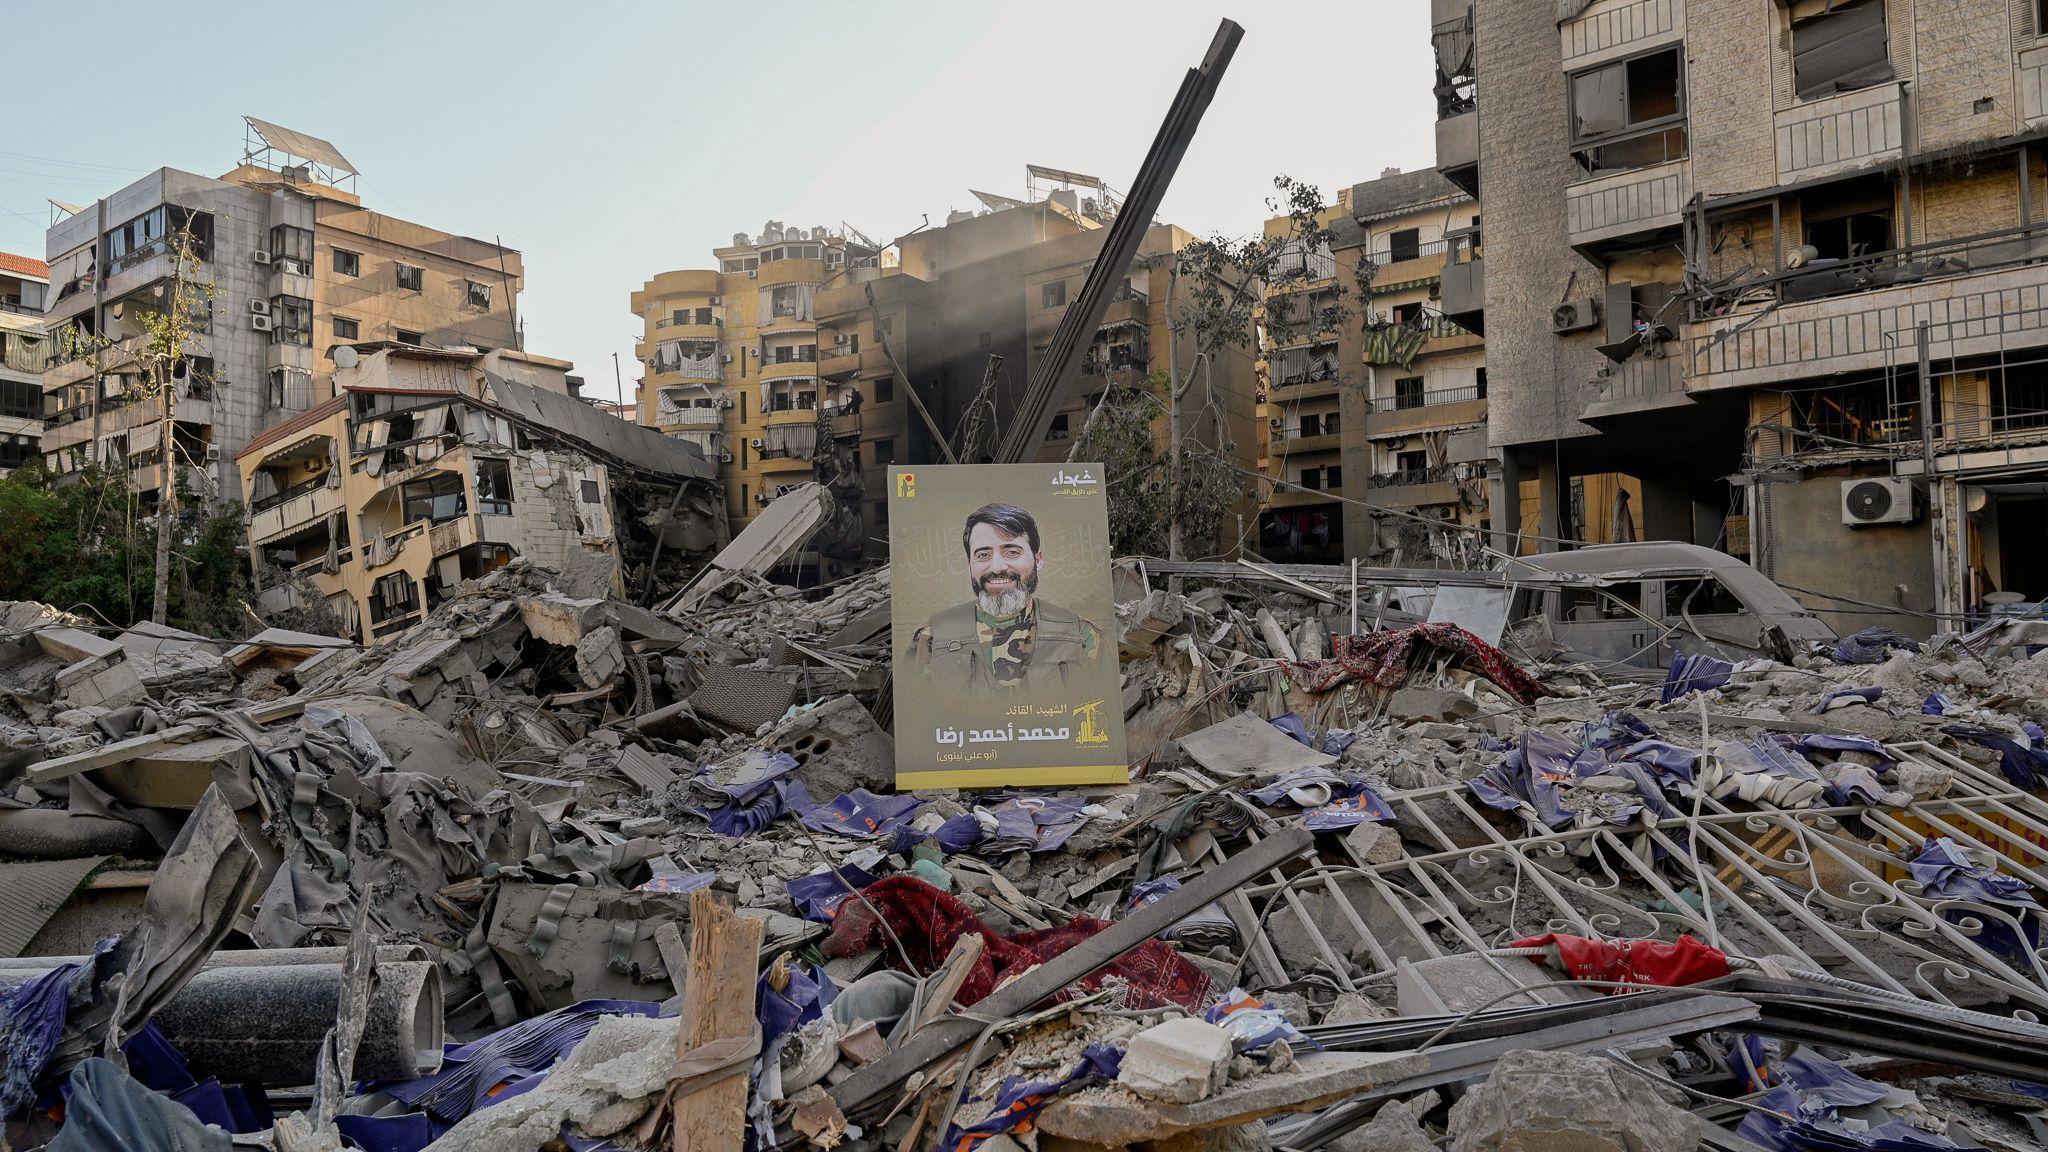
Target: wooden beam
{"type": "Point", "coordinates": [718, 1004]}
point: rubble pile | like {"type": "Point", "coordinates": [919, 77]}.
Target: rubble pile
{"type": "Point", "coordinates": [557, 871]}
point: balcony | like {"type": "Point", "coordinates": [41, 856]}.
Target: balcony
{"type": "Point", "coordinates": [292, 509]}
{"type": "Point", "coordinates": [1411, 488]}
{"type": "Point", "coordinates": [788, 370]}
{"type": "Point", "coordinates": [1297, 497]}
{"type": "Point", "coordinates": [1296, 442]}
{"type": "Point", "coordinates": [1611, 31]}
{"type": "Point", "coordinates": [1463, 284]}
{"type": "Point", "coordinates": [783, 417]}
{"type": "Point", "coordinates": [1627, 203]}
{"type": "Point", "coordinates": [1457, 150]}
{"type": "Point", "coordinates": [1979, 295]}
{"type": "Point", "coordinates": [1839, 133]}
{"type": "Point", "coordinates": [668, 415]}
{"type": "Point", "coordinates": [1643, 383]}
{"type": "Point", "coordinates": [1416, 412]}
{"type": "Point", "coordinates": [839, 366]}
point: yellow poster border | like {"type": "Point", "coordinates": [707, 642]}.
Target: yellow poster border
{"type": "Point", "coordinates": [1014, 777]}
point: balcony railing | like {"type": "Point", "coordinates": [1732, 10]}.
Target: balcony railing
{"type": "Point", "coordinates": [1299, 433]}
{"type": "Point", "coordinates": [1386, 256]}
{"type": "Point", "coordinates": [265, 503]}
{"type": "Point", "coordinates": [1824, 278]}
{"type": "Point", "coordinates": [1429, 399]}
{"type": "Point", "coordinates": [683, 321]}
{"type": "Point", "coordinates": [1404, 476]}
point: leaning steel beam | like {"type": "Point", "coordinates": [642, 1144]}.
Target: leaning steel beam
{"type": "Point", "coordinates": [1062, 361]}
{"type": "Point", "coordinates": [948, 1034]}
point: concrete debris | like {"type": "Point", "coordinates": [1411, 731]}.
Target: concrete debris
{"type": "Point", "coordinates": [1181, 1061]}
{"type": "Point", "coordinates": [1566, 1103]}
{"type": "Point", "coordinates": [539, 795]}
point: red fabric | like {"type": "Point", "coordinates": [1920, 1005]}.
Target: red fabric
{"type": "Point", "coordinates": [928, 921]}
{"type": "Point", "coordinates": [1384, 658]}
{"type": "Point", "coordinates": [1688, 960]}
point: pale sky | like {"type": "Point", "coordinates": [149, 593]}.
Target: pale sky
{"type": "Point", "coordinates": [609, 142]}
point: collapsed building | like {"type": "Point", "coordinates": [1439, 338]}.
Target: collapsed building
{"type": "Point", "coordinates": [432, 467]}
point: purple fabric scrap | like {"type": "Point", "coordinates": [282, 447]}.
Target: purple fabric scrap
{"type": "Point", "coordinates": [860, 814]}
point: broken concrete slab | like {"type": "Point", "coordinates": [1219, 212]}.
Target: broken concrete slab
{"type": "Point", "coordinates": [1182, 1061]}
{"type": "Point", "coordinates": [838, 747]}
{"type": "Point", "coordinates": [1111, 1116]}
{"type": "Point", "coordinates": [1245, 743]}
{"type": "Point", "coordinates": [1560, 1102]}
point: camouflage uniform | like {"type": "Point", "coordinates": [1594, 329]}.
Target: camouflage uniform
{"type": "Point", "coordinates": [1038, 646]}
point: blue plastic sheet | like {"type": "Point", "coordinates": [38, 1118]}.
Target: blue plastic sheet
{"type": "Point", "coordinates": [2024, 765]}
{"type": "Point", "coordinates": [1533, 775]}
{"type": "Point", "coordinates": [818, 896]}
{"type": "Point", "coordinates": [1871, 646]}
{"type": "Point", "coordinates": [1701, 673]}
{"type": "Point", "coordinates": [31, 1022]}
{"type": "Point", "coordinates": [1018, 1099]}
{"type": "Point", "coordinates": [1847, 697]}
{"type": "Point", "coordinates": [470, 1071]}
{"type": "Point", "coordinates": [860, 814]}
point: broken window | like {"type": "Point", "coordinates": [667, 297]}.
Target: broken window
{"type": "Point", "coordinates": [1609, 603]}
{"type": "Point", "coordinates": [1311, 425]}
{"type": "Point", "coordinates": [1482, 384]}
{"type": "Point", "coordinates": [1408, 393]}
{"type": "Point", "coordinates": [1060, 428]}
{"type": "Point", "coordinates": [1312, 478]}
{"type": "Point", "coordinates": [436, 499]}
{"type": "Point", "coordinates": [591, 495]}
{"type": "Point", "coordinates": [392, 597]}
{"type": "Point", "coordinates": [22, 399]}
{"type": "Point", "coordinates": [885, 390]}
{"type": "Point", "coordinates": [411, 277]}
{"type": "Point", "coordinates": [292, 246]}
{"type": "Point", "coordinates": [1405, 244]}
{"type": "Point", "coordinates": [348, 263]}
{"type": "Point", "coordinates": [1333, 478]}
{"type": "Point", "coordinates": [476, 294]}
{"type": "Point", "coordinates": [1411, 463]}
{"type": "Point", "coordinates": [1838, 47]}
{"type": "Point", "coordinates": [1054, 295]}
{"type": "Point", "coordinates": [290, 389]}
{"type": "Point", "coordinates": [404, 336]}
{"type": "Point", "coordinates": [1703, 597]}
{"type": "Point", "coordinates": [1851, 235]}
{"type": "Point", "coordinates": [346, 329]}
{"type": "Point", "coordinates": [885, 450]}
{"type": "Point", "coordinates": [1630, 114]}
{"type": "Point", "coordinates": [291, 320]}
{"type": "Point", "coordinates": [494, 487]}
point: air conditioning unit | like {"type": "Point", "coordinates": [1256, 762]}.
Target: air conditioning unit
{"type": "Point", "coordinates": [1877, 500]}
{"type": "Point", "coordinates": [725, 457]}
{"type": "Point", "coordinates": [714, 303]}
{"type": "Point", "coordinates": [839, 338]}
{"type": "Point", "coordinates": [725, 359]}
{"type": "Point", "coordinates": [725, 402]}
{"type": "Point", "coordinates": [1276, 422]}
{"type": "Point", "coordinates": [212, 455]}
{"type": "Point", "coordinates": [260, 256]}
{"type": "Point", "coordinates": [752, 274]}
{"type": "Point", "coordinates": [1575, 315]}
{"type": "Point", "coordinates": [260, 323]}
{"type": "Point", "coordinates": [259, 307]}
{"type": "Point", "coordinates": [757, 442]}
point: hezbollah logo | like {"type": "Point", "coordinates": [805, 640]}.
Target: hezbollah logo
{"type": "Point", "coordinates": [1091, 732]}
{"type": "Point", "coordinates": [906, 484]}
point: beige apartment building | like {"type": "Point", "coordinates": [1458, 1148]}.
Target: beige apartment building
{"type": "Point", "coordinates": [960, 311]}
{"type": "Point", "coordinates": [25, 348]}
{"type": "Point", "coordinates": [1376, 427]}
{"type": "Point", "coordinates": [292, 264]}
{"type": "Point", "coordinates": [428, 467]}
{"type": "Point", "coordinates": [1780, 265]}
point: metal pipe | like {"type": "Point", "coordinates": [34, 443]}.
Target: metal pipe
{"type": "Point", "coordinates": [265, 1024]}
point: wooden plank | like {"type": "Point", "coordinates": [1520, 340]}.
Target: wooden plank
{"type": "Point", "coordinates": [122, 751]}
{"type": "Point", "coordinates": [718, 1004]}
{"type": "Point", "coordinates": [945, 983]}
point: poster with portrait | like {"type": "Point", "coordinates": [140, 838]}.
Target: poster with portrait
{"type": "Point", "coordinates": [1004, 630]}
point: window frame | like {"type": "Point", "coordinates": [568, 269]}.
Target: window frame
{"type": "Point", "coordinates": [354, 328]}
{"type": "Point", "coordinates": [354, 262]}
{"type": "Point", "coordinates": [488, 503]}
{"type": "Point", "coordinates": [1052, 294]}
{"type": "Point", "coordinates": [289, 242]}
{"type": "Point", "coordinates": [291, 320]}
{"type": "Point", "coordinates": [418, 275]}
{"type": "Point", "coordinates": [1825, 89]}
{"type": "Point", "coordinates": [476, 294]}
{"type": "Point", "coordinates": [1583, 145]}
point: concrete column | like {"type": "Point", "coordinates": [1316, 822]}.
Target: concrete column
{"type": "Point", "coordinates": [1666, 512]}
{"type": "Point", "coordinates": [1504, 498]}
{"type": "Point", "coordinates": [1553, 499]}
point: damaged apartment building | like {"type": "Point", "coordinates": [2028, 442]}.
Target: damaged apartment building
{"type": "Point", "coordinates": [1811, 328]}
{"type": "Point", "coordinates": [429, 467]}
{"type": "Point", "coordinates": [1376, 425]}
{"type": "Point", "coordinates": [25, 347]}
{"type": "Point", "coordinates": [290, 264]}
{"type": "Point", "coordinates": [799, 368]}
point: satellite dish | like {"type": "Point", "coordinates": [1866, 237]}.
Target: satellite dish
{"type": "Point", "coordinates": [1801, 256]}
{"type": "Point", "coordinates": [345, 356]}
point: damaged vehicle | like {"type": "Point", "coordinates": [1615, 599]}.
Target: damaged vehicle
{"type": "Point", "coordinates": [1642, 604]}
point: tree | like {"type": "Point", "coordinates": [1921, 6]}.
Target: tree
{"type": "Point", "coordinates": [1216, 296]}
{"type": "Point", "coordinates": [1143, 504]}
{"type": "Point", "coordinates": [186, 308]}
